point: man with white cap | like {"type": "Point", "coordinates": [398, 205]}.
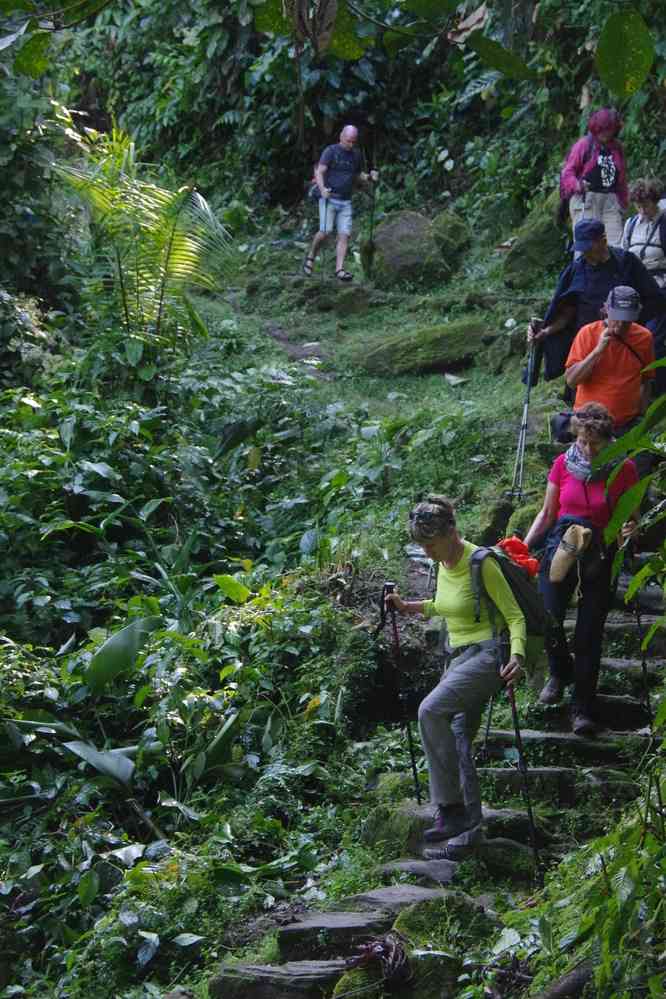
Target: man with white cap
{"type": "Point", "coordinates": [607, 359]}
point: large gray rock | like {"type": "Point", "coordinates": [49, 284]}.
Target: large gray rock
{"type": "Point", "coordinates": [404, 249]}
{"type": "Point", "coordinates": [440, 872]}
{"type": "Point", "coordinates": [549, 783]}
{"type": "Point", "coordinates": [538, 246]}
{"type": "Point", "coordinates": [393, 899]}
{"type": "Point", "coordinates": [302, 979]}
{"type": "Point", "coordinates": [430, 348]}
{"type": "Point", "coordinates": [330, 934]}
{"type": "Point", "coordinates": [567, 746]}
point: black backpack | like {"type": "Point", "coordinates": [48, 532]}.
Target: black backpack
{"type": "Point", "coordinates": [539, 623]}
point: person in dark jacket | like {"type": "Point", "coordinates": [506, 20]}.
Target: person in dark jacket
{"type": "Point", "coordinates": [582, 289]}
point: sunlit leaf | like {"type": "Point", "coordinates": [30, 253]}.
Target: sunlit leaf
{"type": "Point", "coordinates": [625, 52]}
{"type": "Point", "coordinates": [269, 18]}
{"type": "Point", "coordinates": [119, 652]}
{"type": "Point", "coordinates": [187, 939]}
{"type": "Point", "coordinates": [233, 589]}
{"type": "Point", "coordinates": [345, 43]}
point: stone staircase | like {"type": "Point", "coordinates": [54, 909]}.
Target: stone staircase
{"type": "Point", "coordinates": [566, 774]}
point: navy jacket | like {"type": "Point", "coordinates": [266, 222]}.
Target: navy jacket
{"type": "Point", "coordinates": [587, 288]}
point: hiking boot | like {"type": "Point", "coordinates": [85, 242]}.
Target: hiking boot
{"type": "Point", "coordinates": [552, 692]}
{"type": "Point", "coordinates": [450, 821]}
{"type": "Point", "coordinates": [582, 724]}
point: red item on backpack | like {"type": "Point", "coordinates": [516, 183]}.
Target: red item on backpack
{"type": "Point", "coordinates": [519, 553]}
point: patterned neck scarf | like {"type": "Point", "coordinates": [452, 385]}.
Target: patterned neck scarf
{"type": "Point", "coordinates": [578, 465]}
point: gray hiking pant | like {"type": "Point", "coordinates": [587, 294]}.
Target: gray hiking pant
{"type": "Point", "coordinates": [449, 718]}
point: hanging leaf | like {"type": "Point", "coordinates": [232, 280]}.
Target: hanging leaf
{"type": "Point", "coordinates": [119, 652]}
{"type": "Point", "coordinates": [627, 504]}
{"type": "Point", "coordinates": [495, 56]}
{"type": "Point", "coordinates": [233, 589]}
{"type": "Point", "coordinates": [8, 40]}
{"type": "Point", "coordinates": [187, 939]}
{"type": "Point", "coordinates": [148, 949]}
{"type": "Point", "coordinates": [88, 888]}
{"type": "Point", "coordinates": [110, 764]}
{"type": "Point", "coordinates": [625, 53]}
{"type": "Point", "coordinates": [32, 58]}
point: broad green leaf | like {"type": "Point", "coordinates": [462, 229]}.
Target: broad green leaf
{"type": "Point", "coordinates": [233, 589]}
{"type": "Point", "coordinates": [45, 725]}
{"type": "Point", "coordinates": [218, 749]}
{"type": "Point", "coordinates": [119, 652]}
{"type": "Point", "coordinates": [309, 541]}
{"type": "Point", "coordinates": [88, 888]}
{"type": "Point", "coordinates": [32, 58]}
{"type": "Point", "coordinates": [345, 43]}
{"type": "Point", "coordinates": [644, 573]}
{"type": "Point", "coordinates": [68, 525]}
{"type": "Point", "coordinates": [270, 19]}
{"type": "Point", "coordinates": [626, 505]}
{"type": "Point", "coordinates": [151, 506]}
{"type": "Point", "coordinates": [197, 325]}
{"type": "Point", "coordinates": [111, 764]}
{"type": "Point", "coordinates": [495, 56]}
{"type": "Point", "coordinates": [133, 351]}
{"type": "Point", "coordinates": [625, 52]}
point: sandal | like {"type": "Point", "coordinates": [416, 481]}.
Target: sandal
{"type": "Point", "coordinates": [343, 275]}
{"type": "Point", "coordinates": [308, 266]}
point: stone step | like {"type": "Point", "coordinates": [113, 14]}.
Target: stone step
{"type": "Point", "coordinates": [393, 899]}
{"type": "Point", "coordinates": [440, 872]}
{"type": "Point", "coordinates": [611, 785]}
{"type": "Point", "coordinates": [610, 748]}
{"type": "Point", "coordinates": [622, 624]}
{"type": "Point", "coordinates": [304, 979]}
{"type": "Point", "coordinates": [612, 711]}
{"type": "Point", "coordinates": [502, 857]}
{"type": "Point", "coordinates": [650, 599]}
{"type": "Point", "coordinates": [555, 784]}
{"type": "Point", "coordinates": [405, 822]}
{"type": "Point", "coordinates": [330, 934]}
{"type": "Point", "coordinates": [633, 668]}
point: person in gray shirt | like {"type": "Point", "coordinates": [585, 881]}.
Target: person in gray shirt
{"type": "Point", "coordinates": [337, 171]}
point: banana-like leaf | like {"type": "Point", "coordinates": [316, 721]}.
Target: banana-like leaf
{"type": "Point", "coordinates": [110, 764]}
{"type": "Point", "coordinates": [625, 52]}
{"type": "Point", "coordinates": [627, 504]}
{"type": "Point", "coordinates": [119, 652]}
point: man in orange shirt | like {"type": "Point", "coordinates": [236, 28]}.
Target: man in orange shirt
{"type": "Point", "coordinates": [607, 358]}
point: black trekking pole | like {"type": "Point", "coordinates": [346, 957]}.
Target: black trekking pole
{"type": "Point", "coordinates": [519, 464]}
{"type": "Point", "coordinates": [404, 721]}
{"type": "Point", "coordinates": [522, 766]}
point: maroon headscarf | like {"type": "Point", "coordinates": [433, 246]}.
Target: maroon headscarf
{"type": "Point", "coordinates": [605, 120]}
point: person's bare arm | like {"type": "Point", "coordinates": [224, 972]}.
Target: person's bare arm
{"type": "Point", "coordinates": [564, 316]}
{"type": "Point", "coordinates": [320, 175]}
{"type": "Point", "coordinates": [582, 370]}
{"type": "Point", "coordinates": [546, 516]}
{"type": "Point", "coordinates": [404, 606]}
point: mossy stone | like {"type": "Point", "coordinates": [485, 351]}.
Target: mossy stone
{"type": "Point", "coordinates": [395, 828]}
{"type": "Point", "coordinates": [359, 981]}
{"type": "Point", "coordinates": [538, 246]}
{"type": "Point", "coordinates": [433, 348]}
{"type": "Point", "coordinates": [521, 519]}
{"type": "Point", "coordinates": [404, 248]}
{"type": "Point", "coordinates": [452, 235]}
{"type": "Point", "coordinates": [453, 923]}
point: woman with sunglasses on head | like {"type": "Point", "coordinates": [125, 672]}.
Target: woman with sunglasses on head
{"type": "Point", "coordinates": [449, 717]}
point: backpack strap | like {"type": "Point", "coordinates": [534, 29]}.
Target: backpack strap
{"type": "Point", "coordinates": [632, 225]}
{"type": "Point", "coordinates": [475, 564]}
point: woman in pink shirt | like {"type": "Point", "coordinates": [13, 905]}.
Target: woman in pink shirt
{"type": "Point", "coordinates": [594, 176]}
{"type": "Point", "coordinates": [577, 493]}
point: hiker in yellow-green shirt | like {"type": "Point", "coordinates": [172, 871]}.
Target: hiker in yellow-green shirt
{"type": "Point", "coordinates": [450, 715]}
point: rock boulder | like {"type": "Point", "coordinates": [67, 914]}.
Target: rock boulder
{"type": "Point", "coordinates": [539, 245]}
{"type": "Point", "coordinates": [404, 248]}
{"type": "Point", "coordinates": [433, 348]}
